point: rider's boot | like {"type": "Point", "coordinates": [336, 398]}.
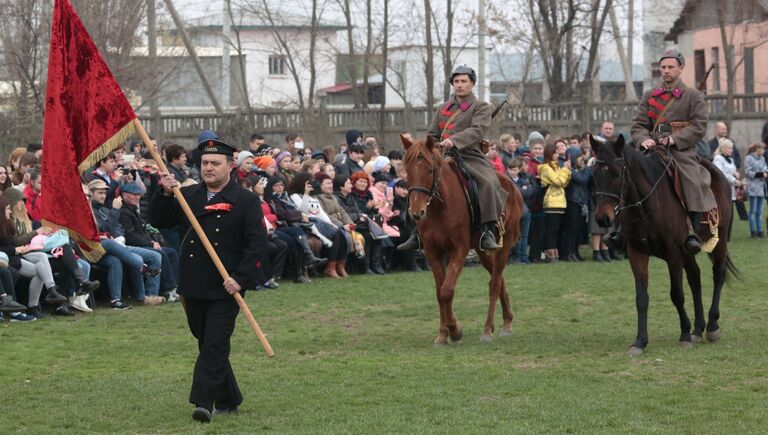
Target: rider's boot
{"type": "Point", "coordinates": [692, 241]}
{"type": "Point", "coordinates": [487, 239]}
{"type": "Point", "coordinates": [412, 244]}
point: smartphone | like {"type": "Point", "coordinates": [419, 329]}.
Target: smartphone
{"type": "Point", "coordinates": [390, 194]}
{"type": "Point", "coordinates": [129, 158]}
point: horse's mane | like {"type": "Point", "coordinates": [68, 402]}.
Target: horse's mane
{"type": "Point", "coordinates": [652, 165]}
{"type": "Point", "coordinates": [419, 148]}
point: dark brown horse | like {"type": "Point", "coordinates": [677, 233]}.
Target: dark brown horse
{"type": "Point", "coordinates": [634, 189]}
{"type": "Point", "coordinates": [437, 204]}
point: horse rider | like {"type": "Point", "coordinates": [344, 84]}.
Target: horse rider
{"type": "Point", "coordinates": [461, 123]}
{"type": "Point", "coordinates": [674, 115]}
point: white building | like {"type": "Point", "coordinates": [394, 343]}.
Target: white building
{"type": "Point", "coordinates": [269, 65]}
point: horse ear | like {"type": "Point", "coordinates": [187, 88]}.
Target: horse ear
{"type": "Point", "coordinates": [430, 143]}
{"type": "Point", "coordinates": [618, 146]}
{"type": "Point", "coordinates": [595, 145]}
{"type": "Point", "coordinates": [405, 141]}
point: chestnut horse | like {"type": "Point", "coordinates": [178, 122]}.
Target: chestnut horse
{"type": "Point", "coordinates": [634, 189]}
{"type": "Point", "coordinates": [437, 203]}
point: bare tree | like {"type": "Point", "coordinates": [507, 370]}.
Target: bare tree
{"type": "Point", "coordinates": [351, 65]}
{"type": "Point", "coordinates": [193, 55]}
{"type": "Point", "coordinates": [730, 68]}
{"type": "Point", "coordinates": [626, 63]}
{"type": "Point", "coordinates": [555, 20]}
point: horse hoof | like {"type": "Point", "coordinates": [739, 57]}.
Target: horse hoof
{"type": "Point", "coordinates": [635, 351]}
{"type": "Point", "coordinates": [505, 333]}
{"type": "Point", "coordinates": [486, 338]}
{"type": "Point", "coordinates": [713, 336]}
{"type": "Point", "coordinates": [686, 344]}
{"type": "Point", "coordinates": [697, 338]}
{"type": "Point", "coordinates": [458, 336]}
{"type": "Point", "coordinates": [440, 341]}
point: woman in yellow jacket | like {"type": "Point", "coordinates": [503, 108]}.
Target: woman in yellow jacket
{"type": "Point", "coordinates": [554, 179]}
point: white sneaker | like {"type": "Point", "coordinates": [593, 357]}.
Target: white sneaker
{"type": "Point", "coordinates": [79, 303]}
{"type": "Point", "coordinates": [173, 296]}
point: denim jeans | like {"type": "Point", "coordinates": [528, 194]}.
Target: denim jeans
{"type": "Point", "coordinates": [522, 244]}
{"type": "Point", "coordinates": [170, 271]}
{"type": "Point", "coordinates": [151, 258]}
{"type": "Point", "coordinates": [756, 214]}
{"type": "Point", "coordinates": [114, 268]}
{"type": "Point", "coordinates": [133, 262]}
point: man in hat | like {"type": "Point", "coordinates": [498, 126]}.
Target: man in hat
{"type": "Point", "coordinates": [674, 115]}
{"type": "Point", "coordinates": [233, 221]}
{"type": "Point", "coordinates": [461, 123]}
{"type": "Point", "coordinates": [137, 233]}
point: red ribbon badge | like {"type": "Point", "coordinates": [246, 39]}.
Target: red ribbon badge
{"type": "Point", "coordinates": [222, 206]}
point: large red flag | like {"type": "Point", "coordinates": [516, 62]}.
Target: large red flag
{"type": "Point", "coordinates": [86, 117]}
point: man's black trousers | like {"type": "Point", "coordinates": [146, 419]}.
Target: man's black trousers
{"type": "Point", "coordinates": [212, 323]}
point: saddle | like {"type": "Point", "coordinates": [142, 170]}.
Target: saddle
{"type": "Point", "coordinates": [468, 185]}
{"type": "Point", "coordinates": [710, 218]}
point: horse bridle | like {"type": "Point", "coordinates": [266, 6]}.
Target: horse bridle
{"type": "Point", "coordinates": [620, 206]}
{"type": "Point", "coordinates": [434, 191]}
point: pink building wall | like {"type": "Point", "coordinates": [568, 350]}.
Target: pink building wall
{"type": "Point", "coordinates": [744, 35]}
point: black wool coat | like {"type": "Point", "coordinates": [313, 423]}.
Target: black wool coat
{"type": "Point", "coordinates": [236, 230]}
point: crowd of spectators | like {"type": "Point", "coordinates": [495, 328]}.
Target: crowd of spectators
{"type": "Point", "coordinates": [329, 212]}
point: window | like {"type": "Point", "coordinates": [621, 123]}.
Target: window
{"type": "Point", "coordinates": [699, 65]}
{"type": "Point", "coordinates": [276, 65]}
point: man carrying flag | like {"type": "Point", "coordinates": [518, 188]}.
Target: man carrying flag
{"type": "Point", "coordinates": [232, 217]}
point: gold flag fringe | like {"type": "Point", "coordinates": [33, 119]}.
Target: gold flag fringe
{"type": "Point", "coordinates": [94, 252]}
{"type": "Point", "coordinates": [107, 147]}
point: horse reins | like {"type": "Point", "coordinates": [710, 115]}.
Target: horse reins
{"type": "Point", "coordinates": [624, 178]}
{"type": "Point", "coordinates": [434, 191]}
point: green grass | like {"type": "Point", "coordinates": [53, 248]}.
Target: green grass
{"type": "Point", "coordinates": [356, 356]}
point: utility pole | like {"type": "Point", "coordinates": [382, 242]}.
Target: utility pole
{"type": "Point", "coordinates": [225, 40]}
{"type": "Point", "coordinates": [154, 110]}
{"type": "Point", "coordinates": [481, 52]}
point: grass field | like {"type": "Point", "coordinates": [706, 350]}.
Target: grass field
{"type": "Point", "coordinates": [355, 356]}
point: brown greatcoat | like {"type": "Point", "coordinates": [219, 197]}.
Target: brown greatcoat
{"type": "Point", "coordinates": [466, 132]}
{"type": "Point", "coordinates": [690, 108]}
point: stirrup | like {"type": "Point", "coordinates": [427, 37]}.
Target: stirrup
{"type": "Point", "coordinates": [492, 238]}
{"type": "Point", "coordinates": [692, 244]}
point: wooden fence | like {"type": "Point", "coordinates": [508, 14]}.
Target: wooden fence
{"type": "Point", "coordinates": [327, 126]}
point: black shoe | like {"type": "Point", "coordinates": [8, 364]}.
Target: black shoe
{"type": "Point", "coordinates": [614, 240]}
{"type": "Point", "coordinates": [63, 310]}
{"type": "Point", "coordinates": [150, 272]}
{"type": "Point", "coordinates": [36, 311]}
{"type": "Point", "coordinates": [412, 244]}
{"type": "Point", "coordinates": [606, 256]}
{"type": "Point", "coordinates": [86, 287]}
{"type": "Point", "coordinates": [692, 244]}
{"type": "Point", "coordinates": [52, 295]}
{"type": "Point", "coordinates": [223, 411]}
{"type": "Point", "coordinates": [202, 415]}
{"type": "Point", "coordinates": [488, 241]}
{"type": "Point", "coordinates": [597, 257]}
{"type": "Point", "coordinates": [119, 305]}
{"type": "Point", "coordinates": [7, 304]}
{"type": "Point", "coordinates": [578, 257]}
{"type": "Point", "coordinates": [753, 235]}
{"type": "Point", "coordinates": [313, 261]}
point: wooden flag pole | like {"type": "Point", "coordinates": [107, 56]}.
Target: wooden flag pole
{"type": "Point", "coordinates": [199, 231]}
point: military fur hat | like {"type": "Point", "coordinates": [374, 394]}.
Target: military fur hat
{"type": "Point", "coordinates": [463, 69]}
{"type": "Point", "coordinates": [673, 54]}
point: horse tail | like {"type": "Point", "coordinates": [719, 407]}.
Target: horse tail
{"type": "Point", "coordinates": [731, 271]}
